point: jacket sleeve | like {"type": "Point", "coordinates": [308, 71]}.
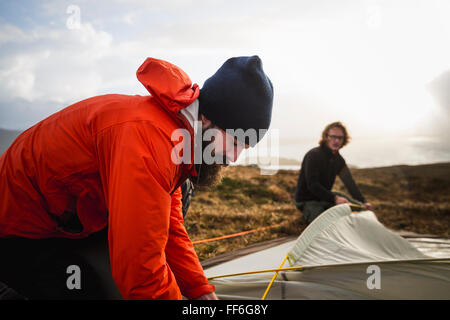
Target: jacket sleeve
{"type": "Point", "coordinates": [135, 174]}
{"type": "Point", "coordinates": [312, 169]}
{"type": "Point", "coordinates": [347, 178]}
{"type": "Point", "coordinates": [182, 257]}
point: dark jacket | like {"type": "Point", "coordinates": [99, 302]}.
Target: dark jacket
{"type": "Point", "coordinates": [318, 173]}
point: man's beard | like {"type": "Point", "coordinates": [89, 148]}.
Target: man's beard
{"type": "Point", "coordinates": [209, 175]}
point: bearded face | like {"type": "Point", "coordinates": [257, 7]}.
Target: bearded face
{"type": "Point", "coordinates": [210, 174]}
{"type": "Point", "coordinates": [219, 148]}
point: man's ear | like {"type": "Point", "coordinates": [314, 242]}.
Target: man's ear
{"type": "Point", "coordinates": [206, 123]}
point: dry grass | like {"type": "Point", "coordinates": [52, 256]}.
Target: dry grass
{"type": "Point", "coordinates": [410, 198]}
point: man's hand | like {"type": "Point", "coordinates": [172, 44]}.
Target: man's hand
{"type": "Point", "coordinates": [340, 200]}
{"type": "Point", "coordinates": [367, 206]}
{"type": "Point", "coordinates": [208, 296]}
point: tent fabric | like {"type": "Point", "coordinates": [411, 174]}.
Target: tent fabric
{"type": "Point", "coordinates": [405, 281]}
{"type": "Point", "coordinates": [339, 251]}
{"type": "Point", "coordinates": [438, 248]}
{"type": "Point", "coordinates": [340, 236]}
{"type": "Point", "coordinates": [253, 248]}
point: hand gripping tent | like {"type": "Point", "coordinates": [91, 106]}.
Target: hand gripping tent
{"type": "Point", "coordinates": [340, 255]}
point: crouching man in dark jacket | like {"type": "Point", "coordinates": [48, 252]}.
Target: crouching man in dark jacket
{"type": "Point", "coordinates": [320, 166]}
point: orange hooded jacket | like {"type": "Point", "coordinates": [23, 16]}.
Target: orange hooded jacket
{"type": "Point", "coordinates": [107, 160]}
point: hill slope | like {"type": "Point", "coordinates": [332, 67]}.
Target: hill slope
{"type": "Point", "coordinates": [6, 138]}
{"type": "Point", "coordinates": [409, 198]}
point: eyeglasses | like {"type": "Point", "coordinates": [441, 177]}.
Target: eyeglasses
{"type": "Point", "coordinates": [339, 138]}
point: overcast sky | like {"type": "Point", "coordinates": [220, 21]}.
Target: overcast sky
{"type": "Point", "coordinates": [370, 64]}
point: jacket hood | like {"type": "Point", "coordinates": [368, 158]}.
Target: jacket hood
{"type": "Point", "coordinates": [168, 84]}
{"type": "Point", "coordinates": [171, 87]}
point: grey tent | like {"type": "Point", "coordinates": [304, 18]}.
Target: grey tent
{"type": "Point", "coordinates": [344, 255]}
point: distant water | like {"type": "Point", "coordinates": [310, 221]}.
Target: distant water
{"type": "Point", "coordinates": [368, 153]}
{"type": "Point", "coordinates": [396, 151]}
{"type": "Point", "coordinates": [361, 152]}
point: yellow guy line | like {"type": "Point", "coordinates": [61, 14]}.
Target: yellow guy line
{"type": "Point", "coordinates": [255, 272]}
{"type": "Point", "coordinates": [301, 268]}
{"type": "Point", "coordinates": [273, 279]}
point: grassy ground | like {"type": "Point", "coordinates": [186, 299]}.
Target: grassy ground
{"type": "Point", "coordinates": [409, 198]}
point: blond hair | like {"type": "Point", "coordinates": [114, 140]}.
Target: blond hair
{"type": "Point", "coordinates": [332, 125]}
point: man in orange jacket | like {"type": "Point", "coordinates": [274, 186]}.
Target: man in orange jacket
{"type": "Point", "coordinates": [111, 161]}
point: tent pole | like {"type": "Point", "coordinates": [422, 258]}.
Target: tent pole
{"type": "Point", "coordinates": [273, 279]}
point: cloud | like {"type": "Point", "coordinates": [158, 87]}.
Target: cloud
{"type": "Point", "coordinates": [439, 88]}
{"type": "Point", "coordinates": [54, 64]}
{"type": "Point", "coordinates": [10, 33]}
{"type": "Point", "coordinates": [328, 61]}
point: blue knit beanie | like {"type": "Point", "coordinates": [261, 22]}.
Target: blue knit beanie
{"type": "Point", "coordinates": [238, 96]}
